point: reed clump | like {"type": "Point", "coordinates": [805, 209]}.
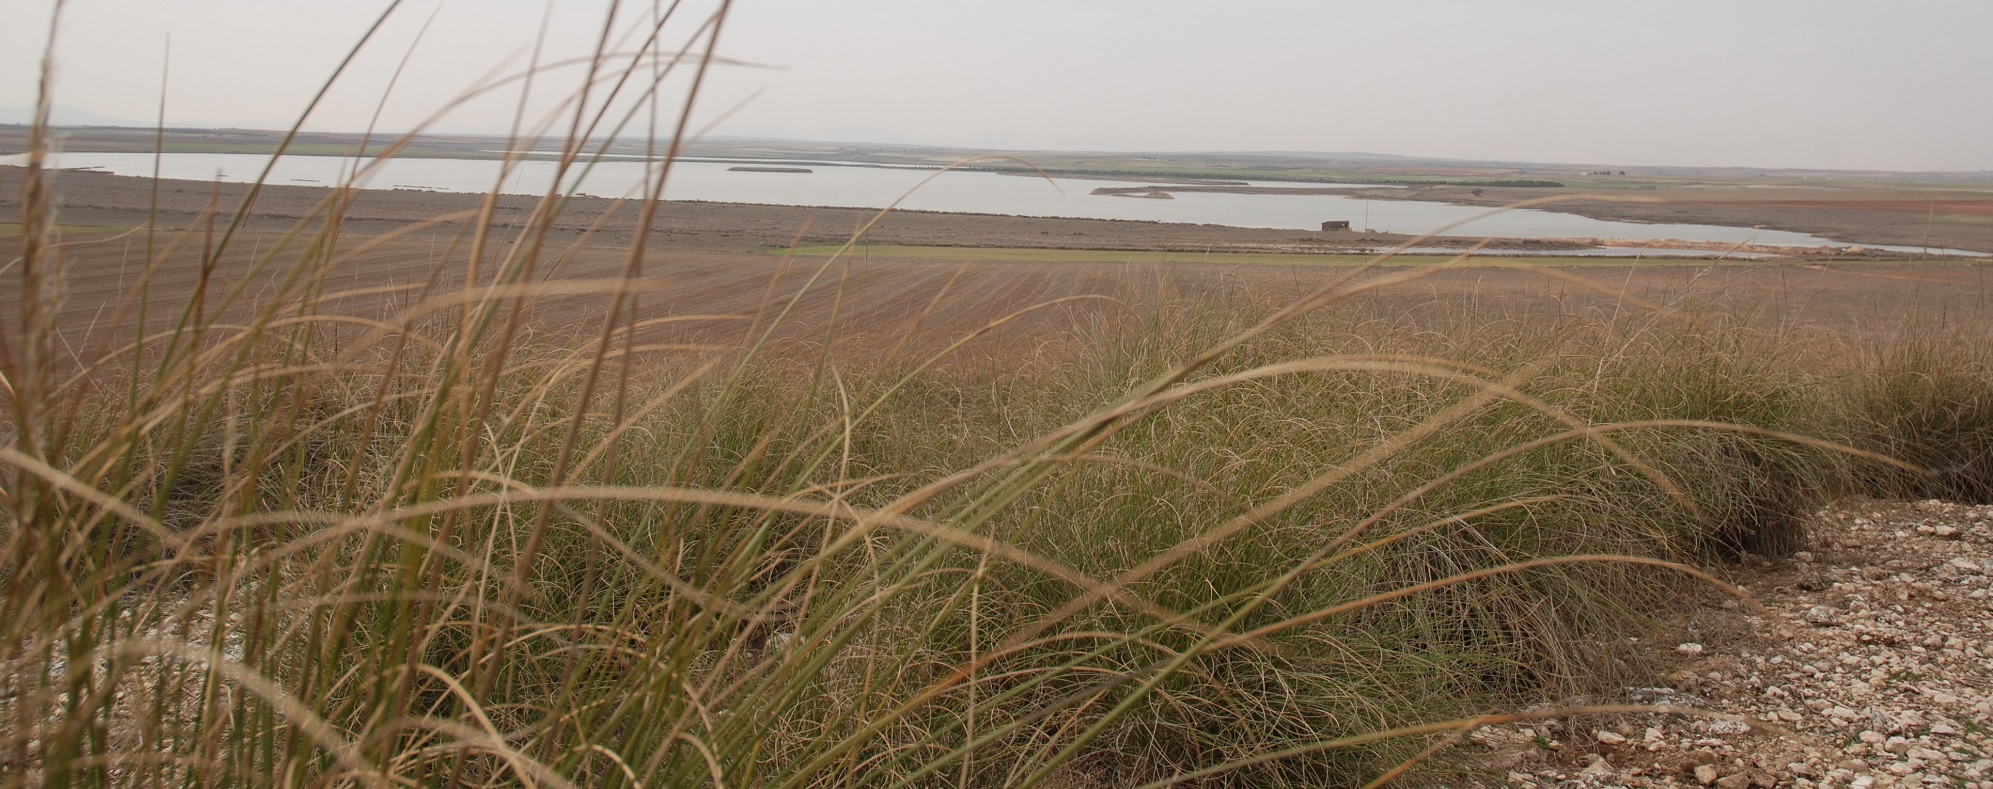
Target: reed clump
{"type": "Point", "coordinates": [1927, 398]}
{"type": "Point", "coordinates": [772, 568]}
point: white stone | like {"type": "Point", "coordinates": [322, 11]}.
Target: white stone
{"type": "Point", "coordinates": [1726, 727]}
{"type": "Point", "coordinates": [1601, 769]}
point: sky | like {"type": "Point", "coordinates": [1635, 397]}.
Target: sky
{"type": "Point", "coordinates": [1843, 84]}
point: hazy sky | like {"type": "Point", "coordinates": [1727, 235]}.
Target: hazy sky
{"type": "Point", "coordinates": [1768, 83]}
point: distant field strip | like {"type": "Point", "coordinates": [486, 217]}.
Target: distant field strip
{"type": "Point", "coordinates": [1034, 255]}
{"type": "Point", "coordinates": [14, 229]}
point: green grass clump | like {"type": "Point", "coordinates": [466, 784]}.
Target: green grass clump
{"type": "Point", "coordinates": [1927, 398]}
{"type": "Point", "coordinates": [760, 570]}
{"type": "Point", "coordinates": [439, 549]}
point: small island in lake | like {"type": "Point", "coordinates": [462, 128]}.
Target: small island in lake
{"type": "Point", "coordinates": [1150, 193]}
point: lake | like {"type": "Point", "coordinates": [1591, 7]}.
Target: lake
{"type": "Point", "coordinates": [954, 191]}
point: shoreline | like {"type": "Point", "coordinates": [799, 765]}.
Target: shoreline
{"type": "Point", "coordinates": [104, 200]}
{"type": "Point", "coordinates": [1856, 217]}
{"type": "Point", "coordinates": [1936, 210]}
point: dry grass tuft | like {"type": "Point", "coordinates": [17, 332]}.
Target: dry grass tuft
{"type": "Point", "coordinates": [284, 540]}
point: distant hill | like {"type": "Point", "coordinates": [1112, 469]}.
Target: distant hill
{"type": "Point", "coordinates": [70, 116]}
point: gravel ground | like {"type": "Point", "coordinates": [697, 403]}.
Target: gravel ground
{"type": "Point", "coordinates": [1869, 666]}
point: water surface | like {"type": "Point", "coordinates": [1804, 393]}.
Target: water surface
{"type": "Point", "coordinates": [924, 189]}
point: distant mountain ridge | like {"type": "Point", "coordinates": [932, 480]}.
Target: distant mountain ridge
{"type": "Point", "coordinates": [65, 115]}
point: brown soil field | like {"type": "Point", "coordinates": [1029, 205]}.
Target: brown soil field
{"type": "Point", "coordinates": [1865, 214]}
{"type": "Point", "coordinates": [104, 200]}
{"type": "Point", "coordinates": [723, 262]}
{"type": "Point", "coordinates": [1922, 207]}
